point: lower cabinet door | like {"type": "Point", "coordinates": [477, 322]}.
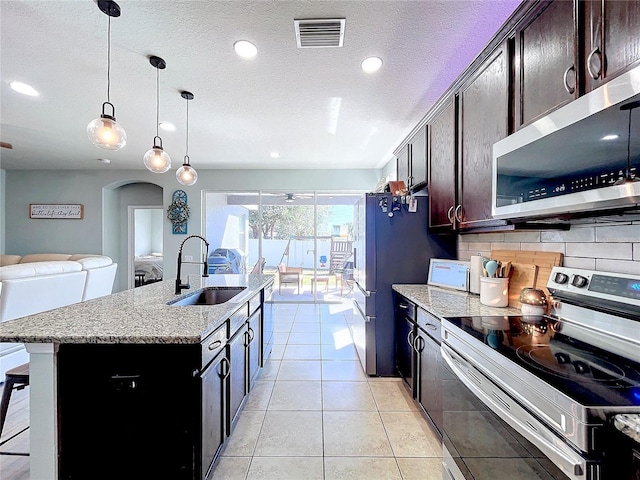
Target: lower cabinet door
{"type": "Point", "coordinates": [255, 341]}
{"type": "Point", "coordinates": [430, 381]}
{"type": "Point", "coordinates": [238, 373]}
{"type": "Point", "coordinates": [213, 381]}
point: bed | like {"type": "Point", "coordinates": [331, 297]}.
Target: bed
{"type": "Point", "coordinates": [149, 265]}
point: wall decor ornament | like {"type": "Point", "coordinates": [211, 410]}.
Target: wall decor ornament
{"type": "Point", "coordinates": [178, 212]}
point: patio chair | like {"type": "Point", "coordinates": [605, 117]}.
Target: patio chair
{"type": "Point", "coordinates": [257, 268]}
{"type": "Point", "coordinates": [289, 275]}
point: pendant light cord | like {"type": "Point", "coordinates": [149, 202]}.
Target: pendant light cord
{"type": "Point", "coordinates": [109, 61]}
{"type": "Point", "coordinates": [187, 142]}
{"type": "Point", "coordinates": [157, 101]}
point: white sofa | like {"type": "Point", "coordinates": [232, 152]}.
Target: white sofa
{"type": "Point", "coordinates": [40, 282]}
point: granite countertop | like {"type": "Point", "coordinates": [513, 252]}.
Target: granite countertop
{"type": "Point", "coordinates": [629, 424]}
{"type": "Point", "coordinates": [450, 303]}
{"type": "Point", "coordinates": [139, 315]}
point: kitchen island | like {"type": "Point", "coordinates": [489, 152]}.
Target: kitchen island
{"type": "Point", "coordinates": [90, 360]}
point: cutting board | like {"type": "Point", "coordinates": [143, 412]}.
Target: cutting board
{"type": "Point", "coordinates": [523, 275]}
{"type": "Point", "coordinates": [544, 260]}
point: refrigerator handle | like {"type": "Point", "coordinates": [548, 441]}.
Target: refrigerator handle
{"type": "Point", "coordinates": [355, 256]}
{"type": "Point", "coordinates": [364, 292]}
{"type": "Point", "coordinates": [367, 318]}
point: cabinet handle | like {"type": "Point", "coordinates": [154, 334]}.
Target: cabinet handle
{"type": "Point", "coordinates": [225, 367]}
{"type": "Point", "coordinates": [450, 214]}
{"type": "Point", "coordinates": [403, 306]}
{"type": "Point", "coordinates": [595, 75]}
{"type": "Point", "coordinates": [252, 334]}
{"type": "Point", "coordinates": [457, 212]}
{"type": "Point", "coordinates": [565, 77]}
{"type": "Point", "coordinates": [418, 344]}
{"type": "Point", "coordinates": [214, 345]}
{"type": "Point", "coordinates": [410, 342]}
{"type": "Point", "coordinates": [431, 326]}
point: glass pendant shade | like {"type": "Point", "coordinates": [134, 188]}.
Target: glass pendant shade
{"type": "Point", "coordinates": [186, 174]}
{"type": "Point", "coordinates": [106, 133]}
{"type": "Point", "coordinates": [156, 159]}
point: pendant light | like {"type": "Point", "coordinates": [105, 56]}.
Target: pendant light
{"type": "Point", "coordinates": [628, 178]}
{"type": "Point", "coordinates": [105, 132]}
{"type": "Point", "coordinates": [156, 159]}
{"type": "Point", "coordinates": [186, 174]}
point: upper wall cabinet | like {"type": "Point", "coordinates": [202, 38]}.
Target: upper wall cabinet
{"type": "Point", "coordinates": [418, 172]}
{"type": "Point", "coordinates": [611, 39]}
{"type": "Point", "coordinates": [402, 165]}
{"type": "Point", "coordinates": [412, 161]}
{"type": "Point", "coordinates": [442, 166]}
{"type": "Point", "coordinates": [483, 120]}
{"type": "Point", "coordinates": [545, 61]}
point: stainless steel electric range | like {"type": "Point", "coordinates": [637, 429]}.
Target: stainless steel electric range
{"type": "Point", "coordinates": [549, 385]}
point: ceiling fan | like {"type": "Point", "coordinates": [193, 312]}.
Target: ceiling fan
{"type": "Point", "coordinates": [291, 197]}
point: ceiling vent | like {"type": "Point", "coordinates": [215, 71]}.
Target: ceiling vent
{"type": "Point", "coordinates": [320, 32]}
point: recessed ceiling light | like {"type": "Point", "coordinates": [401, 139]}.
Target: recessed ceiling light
{"type": "Point", "coordinates": [274, 155]}
{"type": "Point", "coordinates": [245, 49]}
{"type": "Point", "coordinates": [24, 89]}
{"type": "Point", "coordinates": [613, 136]}
{"type": "Point", "coordinates": [167, 126]}
{"type": "Point", "coordinates": [371, 64]}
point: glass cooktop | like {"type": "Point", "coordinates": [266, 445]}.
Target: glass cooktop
{"type": "Point", "coordinates": [588, 374]}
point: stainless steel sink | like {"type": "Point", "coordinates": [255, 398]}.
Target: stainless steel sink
{"type": "Point", "coordinates": [209, 296]}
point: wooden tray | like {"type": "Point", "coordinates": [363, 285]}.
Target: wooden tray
{"type": "Point", "coordinates": [544, 261]}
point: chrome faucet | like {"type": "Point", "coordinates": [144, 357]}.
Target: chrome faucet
{"type": "Point", "coordinates": [205, 272]}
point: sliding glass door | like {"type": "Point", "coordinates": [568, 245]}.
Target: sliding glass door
{"type": "Point", "coordinates": [303, 238]}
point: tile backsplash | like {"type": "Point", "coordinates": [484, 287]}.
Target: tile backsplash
{"type": "Point", "coordinates": [607, 248]}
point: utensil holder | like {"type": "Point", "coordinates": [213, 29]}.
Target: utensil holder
{"type": "Point", "coordinates": [494, 292]}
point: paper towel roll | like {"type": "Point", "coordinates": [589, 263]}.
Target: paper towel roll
{"type": "Point", "coordinates": [475, 272]}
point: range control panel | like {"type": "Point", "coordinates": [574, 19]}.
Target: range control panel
{"type": "Point", "coordinates": [619, 287]}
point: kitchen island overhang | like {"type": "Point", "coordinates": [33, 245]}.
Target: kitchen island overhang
{"type": "Point", "coordinates": [140, 316]}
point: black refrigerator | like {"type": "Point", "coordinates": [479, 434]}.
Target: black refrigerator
{"type": "Point", "coordinates": [391, 245]}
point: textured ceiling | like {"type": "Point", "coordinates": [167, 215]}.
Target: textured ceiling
{"type": "Point", "coordinates": [314, 106]}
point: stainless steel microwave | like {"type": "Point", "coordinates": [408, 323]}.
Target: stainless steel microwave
{"type": "Point", "coordinates": [572, 160]}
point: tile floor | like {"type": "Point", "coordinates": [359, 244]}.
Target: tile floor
{"type": "Point", "coordinates": [313, 414]}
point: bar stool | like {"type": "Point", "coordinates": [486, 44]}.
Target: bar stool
{"type": "Point", "coordinates": [15, 379]}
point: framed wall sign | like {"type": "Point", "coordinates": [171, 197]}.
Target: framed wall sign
{"type": "Point", "coordinates": [74, 211]}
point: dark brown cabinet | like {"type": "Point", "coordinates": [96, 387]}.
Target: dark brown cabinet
{"type": "Point", "coordinates": [611, 39]}
{"type": "Point", "coordinates": [214, 380]}
{"type": "Point", "coordinates": [418, 160]}
{"type": "Point", "coordinates": [545, 61]}
{"type": "Point", "coordinates": [442, 166]}
{"type": "Point", "coordinates": [254, 339]}
{"type": "Point", "coordinates": [412, 161]}
{"type": "Point", "coordinates": [483, 120]}
{"type": "Point", "coordinates": [402, 164]}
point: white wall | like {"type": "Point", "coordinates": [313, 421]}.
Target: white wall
{"type": "Point", "coordinates": [148, 231]}
{"type": "Point", "coordinates": [98, 233]}
{"type": "Point", "coordinates": [2, 223]}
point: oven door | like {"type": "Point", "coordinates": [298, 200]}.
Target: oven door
{"type": "Point", "coordinates": [479, 445]}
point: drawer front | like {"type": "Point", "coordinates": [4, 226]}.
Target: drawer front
{"type": "Point", "coordinates": [237, 319]}
{"type": "Point", "coordinates": [213, 344]}
{"type": "Point", "coordinates": [430, 324]}
{"type": "Point", "coordinates": [254, 304]}
{"type": "Point", "coordinates": [406, 307]}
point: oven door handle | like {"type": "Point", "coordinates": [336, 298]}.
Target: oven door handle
{"type": "Point", "coordinates": [518, 418]}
